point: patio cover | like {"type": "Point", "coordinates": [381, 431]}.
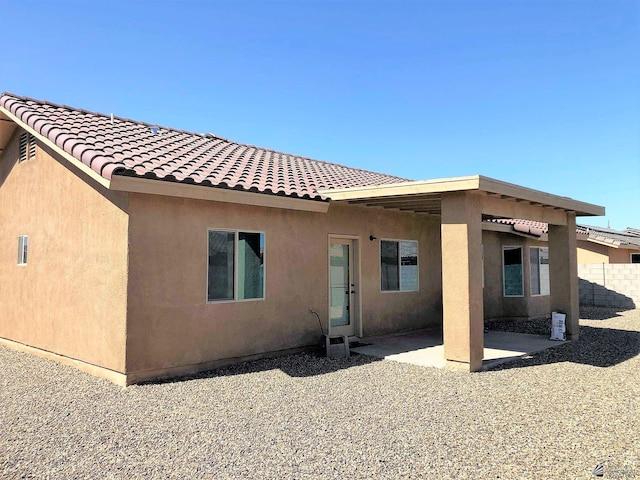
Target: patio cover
{"type": "Point", "coordinates": [461, 203]}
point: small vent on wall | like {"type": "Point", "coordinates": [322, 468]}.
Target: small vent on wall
{"type": "Point", "coordinates": [27, 147]}
{"type": "Point", "coordinates": [24, 140]}
{"type": "Point", "coordinates": [32, 146]}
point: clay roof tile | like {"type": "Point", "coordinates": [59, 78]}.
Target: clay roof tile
{"type": "Point", "coordinates": [127, 147]}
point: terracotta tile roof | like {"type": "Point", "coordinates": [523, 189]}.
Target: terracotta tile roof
{"type": "Point", "coordinates": [120, 146]}
{"type": "Point", "coordinates": [523, 226]}
{"type": "Point", "coordinates": [628, 238]}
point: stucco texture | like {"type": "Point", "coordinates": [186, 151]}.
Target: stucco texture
{"type": "Point", "coordinates": [70, 298]}
{"type": "Point", "coordinates": [589, 252]}
{"type": "Point", "coordinates": [171, 324]}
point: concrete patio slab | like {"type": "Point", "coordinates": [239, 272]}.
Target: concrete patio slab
{"type": "Point", "coordinates": [425, 347]}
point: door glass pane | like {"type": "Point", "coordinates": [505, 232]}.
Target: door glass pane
{"type": "Point", "coordinates": [221, 257]}
{"type": "Point", "coordinates": [339, 279]}
{"type": "Point", "coordinates": [250, 265]}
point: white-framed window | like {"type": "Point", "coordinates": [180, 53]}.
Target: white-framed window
{"type": "Point", "coordinates": [399, 265]}
{"type": "Point", "coordinates": [635, 258]}
{"type": "Point", "coordinates": [539, 270]}
{"type": "Point", "coordinates": [27, 147]}
{"type": "Point", "coordinates": [235, 265]}
{"type": "Point", "coordinates": [23, 246]}
{"type": "Point", "coordinates": [512, 272]}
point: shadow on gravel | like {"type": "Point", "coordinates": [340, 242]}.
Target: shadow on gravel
{"type": "Point", "coordinates": [310, 363]}
{"type": "Point", "coordinates": [600, 313]}
{"type": "Point", "coordinates": [598, 347]}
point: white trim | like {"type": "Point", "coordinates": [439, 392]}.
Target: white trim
{"type": "Point", "coordinates": [504, 286]}
{"type": "Point", "coordinates": [397, 240]}
{"type": "Point", "coordinates": [236, 236]}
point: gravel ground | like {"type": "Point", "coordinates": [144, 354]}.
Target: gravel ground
{"type": "Point", "coordinates": [552, 415]}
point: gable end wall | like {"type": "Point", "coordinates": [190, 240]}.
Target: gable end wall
{"type": "Point", "coordinates": [70, 298]}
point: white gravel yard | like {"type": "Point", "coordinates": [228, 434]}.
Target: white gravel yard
{"type": "Point", "coordinates": [555, 414]}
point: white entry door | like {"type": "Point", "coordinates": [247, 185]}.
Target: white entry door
{"type": "Point", "coordinates": [341, 288]}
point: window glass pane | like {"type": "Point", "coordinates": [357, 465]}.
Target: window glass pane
{"type": "Point", "coordinates": [512, 258]}
{"type": "Point", "coordinates": [635, 258]}
{"type": "Point", "coordinates": [534, 260]}
{"type": "Point", "coordinates": [23, 245]}
{"type": "Point", "coordinates": [250, 265]}
{"type": "Point", "coordinates": [408, 266]}
{"type": "Point", "coordinates": [389, 271]}
{"type": "Point", "coordinates": [544, 271]}
{"type": "Point", "coordinates": [221, 260]}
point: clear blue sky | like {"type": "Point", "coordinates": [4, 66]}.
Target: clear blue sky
{"type": "Point", "coordinates": [544, 94]}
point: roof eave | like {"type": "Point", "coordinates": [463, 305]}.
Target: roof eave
{"type": "Point", "coordinates": [478, 183]}
{"type": "Point", "coordinates": [227, 195]}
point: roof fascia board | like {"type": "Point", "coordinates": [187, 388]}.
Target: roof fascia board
{"type": "Point", "coordinates": [403, 188]}
{"type": "Point", "coordinates": [456, 184]}
{"type": "Point", "coordinates": [492, 185]}
{"type": "Point", "coordinates": [70, 158]}
{"type": "Point", "coordinates": [199, 192]}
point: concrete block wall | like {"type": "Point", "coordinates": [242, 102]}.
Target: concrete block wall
{"type": "Point", "coordinates": [610, 284]}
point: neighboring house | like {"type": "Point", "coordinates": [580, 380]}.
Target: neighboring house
{"type": "Point", "coordinates": [600, 284]}
{"type": "Point", "coordinates": [604, 245]}
{"type": "Point", "coordinates": [135, 251]}
{"type": "Point", "coordinates": [609, 267]}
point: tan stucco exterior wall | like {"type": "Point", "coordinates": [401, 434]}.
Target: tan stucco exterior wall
{"type": "Point", "coordinates": [496, 305]}
{"type": "Point", "coordinates": [589, 252]}
{"type": "Point", "coordinates": [171, 324]}
{"type": "Point", "coordinates": [70, 298]}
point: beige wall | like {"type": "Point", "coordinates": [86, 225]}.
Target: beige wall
{"type": "Point", "coordinates": [71, 296]}
{"type": "Point", "coordinates": [496, 305]}
{"type": "Point", "coordinates": [171, 324]}
{"type": "Point", "coordinates": [589, 252]}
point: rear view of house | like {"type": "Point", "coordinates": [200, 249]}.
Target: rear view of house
{"type": "Point", "coordinates": [135, 251]}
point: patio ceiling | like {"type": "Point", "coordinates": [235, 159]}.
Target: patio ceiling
{"type": "Point", "coordinates": [425, 197]}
